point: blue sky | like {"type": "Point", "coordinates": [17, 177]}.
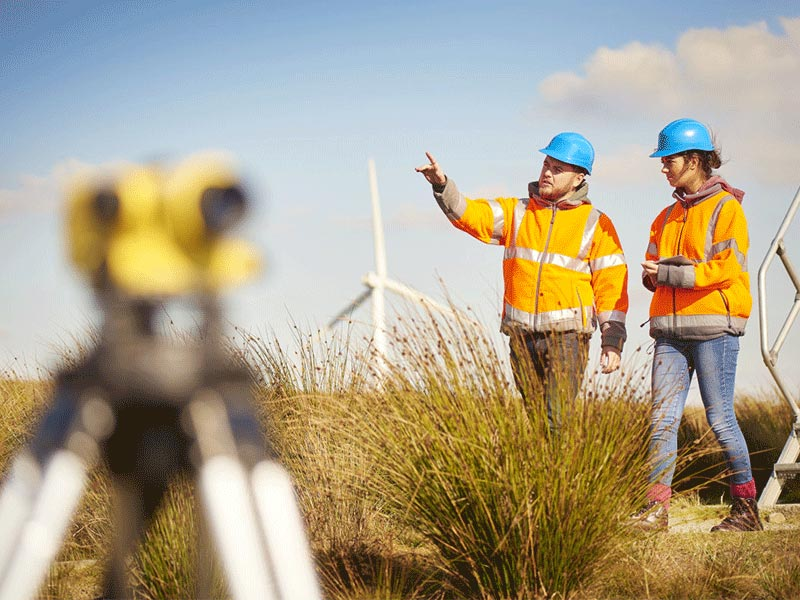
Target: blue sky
{"type": "Point", "coordinates": [302, 94]}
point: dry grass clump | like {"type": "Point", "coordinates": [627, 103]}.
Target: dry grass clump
{"type": "Point", "coordinates": [509, 508]}
{"type": "Point", "coordinates": [22, 401]}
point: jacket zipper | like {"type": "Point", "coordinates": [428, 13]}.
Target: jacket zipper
{"type": "Point", "coordinates": [677, 252]}
{"type": "Point", "coordinates": [539, 275]}
{"type": "Point", "coordinates": [727, 307]}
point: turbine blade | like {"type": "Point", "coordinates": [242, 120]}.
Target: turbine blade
{"type": "Point", "coordinates": [350, 307]}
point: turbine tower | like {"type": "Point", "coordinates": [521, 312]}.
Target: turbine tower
{"type": "Point", "coordinates": [377, 282]}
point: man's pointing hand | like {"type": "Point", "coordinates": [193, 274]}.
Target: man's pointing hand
{"type": "Point", "coordinates": [432, 172]}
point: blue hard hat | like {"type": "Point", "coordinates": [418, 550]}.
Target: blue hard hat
{"type": "Point", "coordinates": [571, 148]}
{"type": "Point", "coordinates": [682, 135]}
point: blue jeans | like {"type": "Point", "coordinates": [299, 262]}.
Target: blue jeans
{"type": "Point", "coordinates": [674, 364]}
{"type": "Point", "coordinates": [549, 366]}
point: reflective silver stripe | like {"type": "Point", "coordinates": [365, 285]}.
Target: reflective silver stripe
{"type": "Point", "coordinates": [568, 319]}
{"type": "Point", "coordinates": [452, 202]}
{"type": "Point", "coordinates": [610, 315]}
{"type": "Point", "coordinates": [560, 260]}
{"type": "Point", "coordinates": [712, 227]}
{"type": "Point", "coordinates": [697, 326]}
{"type": "Point", "coordinates": [733, 245]}
{"type": "Point", "coordinates": [603, 262]}
{"type": "Point", "coordinates": [499, 220]}
{"type": "Point", "coordinates": [588, 233]}
{"type": "Point", "coordinates": [519, 214]}
{"type": "Point", "coordinates": [567, 262]}
{"type": "Point", "coordinates": [652, 249]}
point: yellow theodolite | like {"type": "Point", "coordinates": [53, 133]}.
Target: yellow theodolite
{"type": "Point", "coordinates": [150, 407]}
{"type": "Point", "coordinates": [153, 232]}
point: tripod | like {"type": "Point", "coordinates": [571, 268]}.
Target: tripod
{"type": "Point", "coordinates": [151, 407]}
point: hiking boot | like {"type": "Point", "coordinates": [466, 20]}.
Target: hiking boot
{"type": "Point", "coordinates": [652, 517]}
{"type": "Point", "coordinates": [743, 517]}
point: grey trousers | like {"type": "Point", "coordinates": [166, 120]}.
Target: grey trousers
{"type": "Point", "coordinates": [549, 367]}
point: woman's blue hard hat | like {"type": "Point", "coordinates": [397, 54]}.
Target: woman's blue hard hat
{"type": "Point", "coordinates": [682, 135]}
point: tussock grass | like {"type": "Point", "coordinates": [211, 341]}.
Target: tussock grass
{"type": "Point", "coordinates": [22, 402]}
{"type": "Point", "coordinates": [511, 509]}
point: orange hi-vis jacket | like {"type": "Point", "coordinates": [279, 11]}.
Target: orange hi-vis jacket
{"type": "Point", "coordinates": [563, 266]}
{"type": "Point", "coordinates": [702, 288]}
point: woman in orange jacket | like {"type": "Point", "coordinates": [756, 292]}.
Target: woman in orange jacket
{"type": "Point", "coordinates": [696, 267]}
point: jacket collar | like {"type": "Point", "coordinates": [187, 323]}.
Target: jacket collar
{"type": "Point", "coordinates": [712, 186]}
{"type": "Point", "coordinates": [578, 197]}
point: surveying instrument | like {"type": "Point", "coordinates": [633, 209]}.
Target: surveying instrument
{"type": "Point", "coordinates": [152, 407]}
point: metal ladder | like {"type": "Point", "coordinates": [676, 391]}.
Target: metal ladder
{"type": "Point", "coordinates": [787, 465]}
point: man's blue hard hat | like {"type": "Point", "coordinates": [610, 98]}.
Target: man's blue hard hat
{"type": "Point", "coordinates": [571, 148]}
{"type": "Point", "coordinates": [682, 135]}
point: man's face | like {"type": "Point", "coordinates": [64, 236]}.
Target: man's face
{"type": "Point", "coordinates": [558, 179]}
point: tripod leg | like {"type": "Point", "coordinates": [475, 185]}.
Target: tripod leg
{"type": "Point", "coordinates": [45, 486]}
{"type": "Point", "coordinates": [225, 492]}
{"type": "Point", "coordinates": [39, 539]}
{"type": "Point", "coordinates": [285, 533]}
{"type": "Point", "coordinates": [280, 520]}
{"type": "Point", "coordinates": [16, 502]}
{"type": "Point", "coordinates": [24, 480]}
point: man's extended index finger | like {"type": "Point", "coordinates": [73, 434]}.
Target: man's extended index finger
{"type": "Point", "coordinates": [430, 158]}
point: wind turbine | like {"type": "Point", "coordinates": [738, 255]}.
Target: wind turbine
{"type": "Point", "coordinates": [377, 282]}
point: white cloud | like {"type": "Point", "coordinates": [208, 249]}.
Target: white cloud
{"type": "Point", "coordinates": [630, 164]}
{"type": "Point", "coordinates": [742, 81]}
{"type": "Point", "coordinates": [617, 81]}
{"type": "Point", "coordinates": [31, 195]}
{"type": "Point", "coordinates": [36, 194]}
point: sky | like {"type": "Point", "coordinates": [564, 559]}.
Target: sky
{"type": "Point", "coordinates": [302, 94]}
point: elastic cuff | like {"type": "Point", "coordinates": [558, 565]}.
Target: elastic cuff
{"type": "Point", "coordinates": [659, 493]}
{"type": "Point", "coordinates": [744, 490]}
{"type": "Point", "coordinates": [612, 339]}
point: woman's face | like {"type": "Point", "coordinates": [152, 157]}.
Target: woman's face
{"type": "Point", "coordinates": [680, 170]}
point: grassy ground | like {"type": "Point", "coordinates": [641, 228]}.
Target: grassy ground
{"type": "Point", "coordinates": [686, 563]}
{"type": "Point", "coordinates": [441, 485]}
{"type": "Point", "coordinates": [691, 563]}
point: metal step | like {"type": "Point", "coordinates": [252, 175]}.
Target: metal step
{"type": "Point", "coordinates": [787, 470]}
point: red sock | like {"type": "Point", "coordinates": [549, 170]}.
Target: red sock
{"type": "Point", "coordinates": [660, 493]}
{"type": "Point", "coordinates": [744, 490]}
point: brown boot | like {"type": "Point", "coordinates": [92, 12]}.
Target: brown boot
{"type": "Point", "coordinates": [652, 517]}
{"type": "Point", "coordinates": [743, 517]}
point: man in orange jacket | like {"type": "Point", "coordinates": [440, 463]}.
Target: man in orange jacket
{"type": "Point", "coordinates": [563, 269]}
